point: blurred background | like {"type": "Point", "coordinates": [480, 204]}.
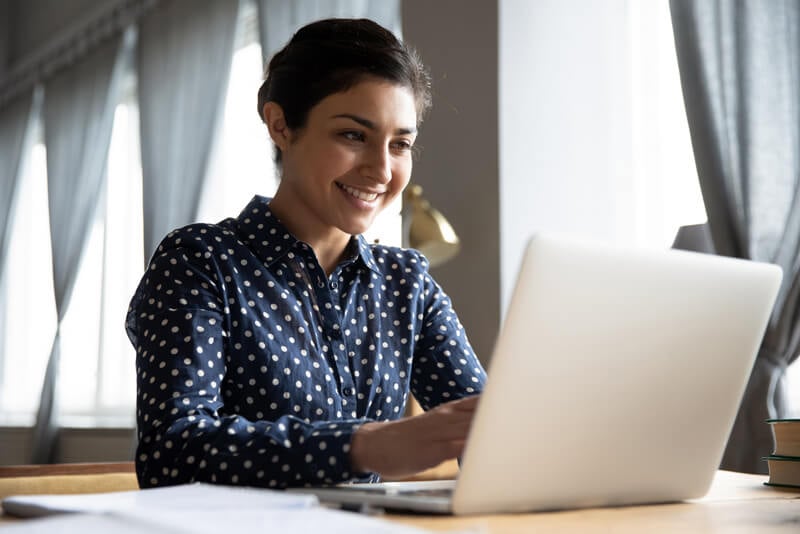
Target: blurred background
{"type": "Point", "coordinates": [122, 119]}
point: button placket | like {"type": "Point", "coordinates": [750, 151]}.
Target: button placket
{"type": "Point", "coordinates": [337, 339]}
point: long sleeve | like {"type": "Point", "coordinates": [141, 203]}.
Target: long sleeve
{"type": "Point", "coordinates": [445, 366]}
{"type": "Point", "coordinates": [186, 431]}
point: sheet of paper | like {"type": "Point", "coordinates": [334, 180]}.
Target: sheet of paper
{"type": "Point", "coordinates": [174, 498]}
{"type": "Point", "coordinates": [210, 521]}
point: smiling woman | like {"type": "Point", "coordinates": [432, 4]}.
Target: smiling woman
{"type": "Point", "coordinates": [349, 161]}
{"type": "Point", "coordinates": [279, 348]}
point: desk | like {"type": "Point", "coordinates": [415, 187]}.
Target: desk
{"type": "Point", "coordinates": [66, 479]}
{"type": "Point", "coordinates": [736, 503]}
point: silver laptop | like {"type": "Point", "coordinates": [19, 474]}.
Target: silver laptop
{"type": "Point", "coordinates": [615, 380]}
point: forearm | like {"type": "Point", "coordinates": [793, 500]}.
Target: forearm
{"type": "Point", "coordinates": [410, 445]}
{"type": "Point", "coordinates": [233, 450]}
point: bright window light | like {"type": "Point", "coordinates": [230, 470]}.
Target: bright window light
{"type": "Point", "coordinates": [30, 313]}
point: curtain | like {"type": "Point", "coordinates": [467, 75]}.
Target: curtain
{"type": "Point", "coordinates": [16, 138]}
{"type": "Point", "coordinates": [739, 63]}
{"type": "Point", "coordinates": [15, 130]}
{"type": "Point", "coordinates": [279, 19]}
{"type": "Point", "coordinates": [185, 52]}
{"type": "Point", "coordinates": [78, 116]}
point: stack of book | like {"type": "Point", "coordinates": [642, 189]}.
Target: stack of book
{"type": "Point", "coordinates": [784, 462]}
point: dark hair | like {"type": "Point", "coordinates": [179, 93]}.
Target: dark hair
{"type": "Point", "coordinates": [332, 55]}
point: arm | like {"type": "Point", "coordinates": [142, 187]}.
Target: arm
{"type": "Point", "coordinates": [445, 371]}
{"type": "Point", "coordinates": [445, 366]}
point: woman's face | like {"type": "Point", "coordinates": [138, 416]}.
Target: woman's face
{"type": "Point", "coordinates": [352, 158]}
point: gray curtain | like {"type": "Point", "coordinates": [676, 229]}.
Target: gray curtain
{"type": "Point", "coordinates": [279, 19]}
{"type": "Point", "coordinates": [15, 130]}
{"type": "Point", "coordinates": [740, 71]}
{"type": "Point", "coordinates": [16, 137]}
{"type": "Point", "coordinates": [78, 116]}
{"type": "Point", "coordinates": [185, 53]}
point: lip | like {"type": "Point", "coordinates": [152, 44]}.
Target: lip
{"type": "Point", "coordinates": [363, 195]}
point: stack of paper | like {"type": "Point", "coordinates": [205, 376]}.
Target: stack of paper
{"type": "Point", "coordinates": [195, 508]}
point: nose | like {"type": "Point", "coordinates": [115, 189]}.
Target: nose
{"type": "Point", "coordinates": [378, 165]}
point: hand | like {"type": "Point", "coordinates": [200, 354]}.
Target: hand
{"type": "Point", "coordinates": [412, 444]}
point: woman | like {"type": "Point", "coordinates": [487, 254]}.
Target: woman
{"type": "Point", "coordinates": [278, 348]}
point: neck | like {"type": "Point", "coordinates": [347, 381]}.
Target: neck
{"type": "Point", "coordinates": [328, 243]}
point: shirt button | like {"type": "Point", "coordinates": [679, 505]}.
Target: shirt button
{"type": "Point", "coordinates": [334, 285]}
{"type": "Point", "coordinates": [348, 391]}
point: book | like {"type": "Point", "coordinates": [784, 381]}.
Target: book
{"type": "Point", "coordinates": [784, 471]}
{"type": "Point", "coordinates": [784, 462]}
{"type": "Point", "coordinates": [786, 434]}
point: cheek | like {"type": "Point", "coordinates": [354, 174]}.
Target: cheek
{"type": "Point", "coordinates": [401, 174]}
{"type": "Point", "coordinates": [327, 161]}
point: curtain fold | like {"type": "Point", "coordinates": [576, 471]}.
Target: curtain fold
{"type": "Point", "coordinates": [16, 137]}
{"type": "Point", "coordinates": [739, 63]}
{"type": "Point", "coordinates": [78, 115]}
{"type": "Point", "coordinates": [15, 130]}
{"type": "Point", "coordinates": [279, 19]}
{"type": "Point", "coordinates": [185, 54]}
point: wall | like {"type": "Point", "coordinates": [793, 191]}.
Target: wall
{"type": "Point", "coordinates": [458, 165]}
{"type": "Point", "coordinates": [530, 131]}
{"type": "Point", "coordinates": [74, 445]}
{"type": "Point", "coordinates": [565, 123]}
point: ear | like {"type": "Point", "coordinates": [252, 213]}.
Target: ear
{"type": "Point", "coordinates": [276, 124]}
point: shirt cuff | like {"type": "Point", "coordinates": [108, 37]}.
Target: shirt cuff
{"type": "Point", "coordinates": [328, 453]}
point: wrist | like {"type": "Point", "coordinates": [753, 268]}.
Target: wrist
{"type": "Point", "coordinates": [360, 449]}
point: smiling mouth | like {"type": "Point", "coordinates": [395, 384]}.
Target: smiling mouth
{"type": "Point", "coordinates": [356, 193]}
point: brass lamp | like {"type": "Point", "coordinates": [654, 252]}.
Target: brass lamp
{"type": "Point", "coordinates": [426, 230]}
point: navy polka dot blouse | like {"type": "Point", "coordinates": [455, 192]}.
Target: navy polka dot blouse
{"type": "Point", "coordinates": [254, 367]}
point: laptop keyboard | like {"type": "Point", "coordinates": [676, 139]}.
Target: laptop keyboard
{"type": "Point", "coordinates": [439, 492]}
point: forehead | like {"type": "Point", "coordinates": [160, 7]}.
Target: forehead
{"type": "Point", "coordinates": [382, 102]}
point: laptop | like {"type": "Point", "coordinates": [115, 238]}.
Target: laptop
{"type": "Point", "coordinates": [615, 380]}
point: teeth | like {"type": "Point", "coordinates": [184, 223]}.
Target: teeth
{"type": "Point", "coordinates": [361, 195]}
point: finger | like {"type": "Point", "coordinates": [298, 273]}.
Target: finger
{"type": "Point", "coordinates": [465, 404]}
{"type": "Point", "coordinates": [454, 449]}
{"type": "Point", "coordinates": [449, 432]}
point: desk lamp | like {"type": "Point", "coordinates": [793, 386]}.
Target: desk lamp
{"type": "Point", "coordinates": [426, 230]}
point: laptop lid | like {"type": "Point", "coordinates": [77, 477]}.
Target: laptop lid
{"type": "Point", "coordinates": [615, 379]}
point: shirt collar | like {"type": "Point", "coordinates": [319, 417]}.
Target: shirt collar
{"type": "Point", "coordinates": [266, 235]}
{"type": "Point", "coordinates": [365, 253]}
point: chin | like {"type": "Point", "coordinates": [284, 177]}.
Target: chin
{"type": "Point", "coordinates": [356, 228]}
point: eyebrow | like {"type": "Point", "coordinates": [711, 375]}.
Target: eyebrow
{"type": "Point", "coordinates": [366, 123]}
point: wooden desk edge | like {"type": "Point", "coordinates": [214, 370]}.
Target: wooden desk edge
{"type": "Point", "coordinates": [33, 470]}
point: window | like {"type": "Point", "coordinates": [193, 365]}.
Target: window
{"type": "Point", "coordinates": [241, 164]}
{"type": "Point", "coordinates": [31, 312]}
{"type": "Point", "coordinates": [665, 189]}
{"type": "Point", "coordinates": [97, 376]}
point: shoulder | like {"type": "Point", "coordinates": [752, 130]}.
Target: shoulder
{"type": "Point", "coordinates": [199, 235]}
{"type": "Point", "coordinates": [391, 260]}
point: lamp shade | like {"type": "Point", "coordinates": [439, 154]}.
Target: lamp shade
{"type": "Point", "coordinates": [427, 230]}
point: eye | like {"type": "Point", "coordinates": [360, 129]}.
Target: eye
{"type": "Point", "coordinates": [353, 135]}
{"type": "Point", "coordinates": [402, 145]}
